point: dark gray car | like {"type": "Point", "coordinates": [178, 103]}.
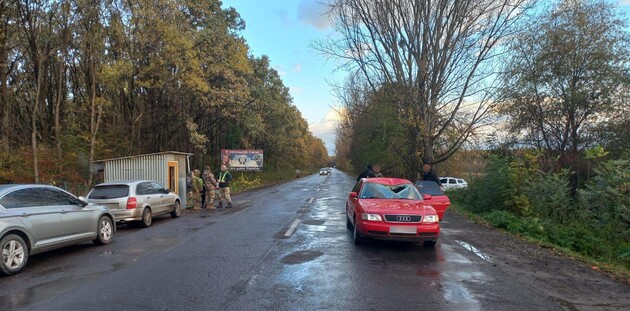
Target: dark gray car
{"type": "Point", "coordinates": [136, 200]}
{"type": "Point", "coordinates": [38, 218]}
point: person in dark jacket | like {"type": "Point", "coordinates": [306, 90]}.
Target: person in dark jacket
{"type": "Point", "coordinates": [429, 174]}
{"type": "Point", "coordinates": [224, 177]}
{"type": "Point", "coordinates": [367, 173]}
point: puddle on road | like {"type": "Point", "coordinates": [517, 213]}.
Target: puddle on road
{"type": "Point", "coordinates": [456, 293]}
{"type": "Point", "coordinates": [475, 251]}
{"type": "Point", "coordinates": [300, 257]}
{"type": "Point", "coordinates": [315, 228]}
{"type": "Point", "coordinates": [314, 222]}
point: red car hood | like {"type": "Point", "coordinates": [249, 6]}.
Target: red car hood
{"type": "Point", "coordinates": [389, 206]}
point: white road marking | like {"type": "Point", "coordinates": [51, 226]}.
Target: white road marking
{"type": "Point", "coordinates": [311, 200]}
{"type": "Point", "coordinates": [292, 227]}
{"type": "Point", "coordinates": [475, 251]}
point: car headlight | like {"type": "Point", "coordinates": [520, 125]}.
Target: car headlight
{"type": "Point", "coordinates": [430, 219]}
{"type": "Point", "coordinates": [372, 217]}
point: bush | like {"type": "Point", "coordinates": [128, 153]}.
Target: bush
{"type": "Point", "coordinates": [607, 198]}
{"type": "Point", "coordinates": [549, 196]}
{"type": "Point", "coordinates": [492, 190]}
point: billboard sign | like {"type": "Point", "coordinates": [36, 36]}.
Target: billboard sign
{"type": "Point", "coordinates": [242, 159]}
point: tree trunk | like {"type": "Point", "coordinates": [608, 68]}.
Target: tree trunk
{"type": "Point", "coordinates": [34, 119]}
{"type": "Point", "coordinates": [95, 118]}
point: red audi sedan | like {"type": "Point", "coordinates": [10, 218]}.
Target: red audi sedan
{"type": "Point", "coordinates": [390, 209]}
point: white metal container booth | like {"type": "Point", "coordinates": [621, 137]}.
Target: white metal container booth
{"type": "Point", "coordinates": [168, 168]}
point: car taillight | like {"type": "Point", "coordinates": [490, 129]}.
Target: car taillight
{"type": "Point", "coordinates": [132, 203]}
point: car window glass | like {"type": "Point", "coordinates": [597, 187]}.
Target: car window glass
{"type": "Point", "coordinates": [429, 187]}
{"type": "Point", "coordinates": [357, 186]}
{"type": "Point", "coordinates": [459, 181]}
{"type": "Point", "coordinates": [23, 198]}
{"type": "Point", "coordinates": [157, 188]}
{"type": "Point", "coordinates": [58, 197]}
{"type": "Point", "coordinates": [443, 180]}
{"type": "Point", "coordinates": [451, 181]}
{"type": "Point", "coordinates": [109, 192]}
{"type": "Point", "coordinates": [144, 188]}
{"type": "Point", "coordinates": [373, 190]}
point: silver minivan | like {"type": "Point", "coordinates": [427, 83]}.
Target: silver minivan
{"type": "Point", "coordinates": [38, 218]}
{"type": "Point", "coordinates": [136, 200]}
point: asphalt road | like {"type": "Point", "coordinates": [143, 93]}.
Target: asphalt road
{"type": "Point", "coordinates": [287, 248]}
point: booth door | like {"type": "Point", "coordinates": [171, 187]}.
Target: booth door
{"type": "Point", "coordinates": [172, 176]}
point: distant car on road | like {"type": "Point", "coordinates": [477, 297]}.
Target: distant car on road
{"type": "Point", "coordinates": [324, 171]}
{"type": "Point", "coordinates": [390, 209]}
{"type": "Point", "coordinates": [434, 196]}
{"type": "Point", "coordinates": [39, 218]}
{"type": "Point", "coordinates": [453, 183]}
{"type": "Point", "coordinates": [136, 200]}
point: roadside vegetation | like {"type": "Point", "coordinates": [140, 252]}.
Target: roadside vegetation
{"type": "Point", "coordinates": [88, 80]}
{"type": "Point", "coordinates": [542, 134]}
{"type": "Point", "coordinates": [514, 194]}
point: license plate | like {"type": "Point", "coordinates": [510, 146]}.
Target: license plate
{"type": "Point", "coordinates": [403, 229]}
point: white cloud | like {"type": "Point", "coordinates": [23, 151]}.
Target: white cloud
{"type": "Point", "coordinates": [624, 2]}
{"type": "Point", "coordinates": [325, 129]}
{"type": "Point", "coordinates": [280, 70]}
{"type": "Point", "coordinates": [314, 13]}
{"type": "Point", "coordinates": [296, 90]}
{"type": "Point", "coordinates": [297, 67]}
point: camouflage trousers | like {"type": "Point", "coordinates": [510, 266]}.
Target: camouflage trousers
{"type": "Point", "coordinates": [193, 200]}
{"type": "Point", "coordinates": [210, 196]}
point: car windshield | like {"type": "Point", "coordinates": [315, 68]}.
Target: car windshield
{"type": "Point", "coordinates": [373, 190]}
{"type": "Point", "coordinates": [109, 192]}
{"type": "Point", "coordinates": [429, 187]}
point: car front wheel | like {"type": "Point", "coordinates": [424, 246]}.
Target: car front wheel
{"type": "Point", "coordinates": [105, 231]}
{"type": "Point", "coordinates": [177, 211]}
{"type": "Point", "coordinates": [356, 236]}
{"type": "Point", "coordinates": [14, 254]}
{"type": "Point", "coordinates": [429, 244]}
{"type": "Point", "coordinates": [147, 218]}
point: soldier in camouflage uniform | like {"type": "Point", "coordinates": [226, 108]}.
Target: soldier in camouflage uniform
{"type": "Point", "coordinates": [211, 183]}
{"type": "Point", "coordinates": [197, 184]}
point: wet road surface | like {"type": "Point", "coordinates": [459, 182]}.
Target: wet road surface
{"type": "Point", "coordinates": [287, 248]}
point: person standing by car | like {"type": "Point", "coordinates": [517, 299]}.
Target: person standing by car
{"type": "Point", "coordinates": [429, 174]}
{"type": "Point", "coordinates": [376, 169]}
{"type": "Point", "coordinates": [189, 190]}
{"type": "Point", "coordinates": [367, 173]}
{"type": "Point", "coordinates": [210, 183]}
{"type": "Point", "coordinates": [224, 178]}
{"type": "Point", "coordinates": [197, 184]}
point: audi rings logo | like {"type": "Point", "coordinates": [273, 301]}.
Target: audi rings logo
{"type": "Point", "coordinates": [403, 218]}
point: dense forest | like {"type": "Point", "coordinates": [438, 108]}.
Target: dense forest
{"type": "Point", "coordinates": [82, 80]}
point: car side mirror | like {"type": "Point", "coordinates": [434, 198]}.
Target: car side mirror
{"type": "Point", "coordinates": [426, 196]}
{"type": "Point", "coordinates": [353, 195]}
{"type": "Point", "coordinates": [82, 200]}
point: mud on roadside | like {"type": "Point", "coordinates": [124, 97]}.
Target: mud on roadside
{"type": "Point", "coordinates": [574, 285]}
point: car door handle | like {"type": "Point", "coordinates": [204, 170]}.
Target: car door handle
{"type": "Point", "coordinates": [25, 215]}
{"type": "Point", "coordinates": [64, 212]}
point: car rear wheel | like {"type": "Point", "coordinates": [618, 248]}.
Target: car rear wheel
{"type": "Point", "coordinates": [14, 254]}
{"type": "Point", "coordinates": [429, 243]}
{"type": "Point", "coordinates": [177, 211]}
{"type": "Point", "coordinates": [348, 222]}
{"type": "Point", "coordinates": [147, 218]}
{"type": "Point", "coordinates": [356, 236]}
{"type": "Point", "coordinates": [105, 231]}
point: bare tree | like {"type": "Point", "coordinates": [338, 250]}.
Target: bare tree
{"type": "Point", "coordinates": [441, 55]}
